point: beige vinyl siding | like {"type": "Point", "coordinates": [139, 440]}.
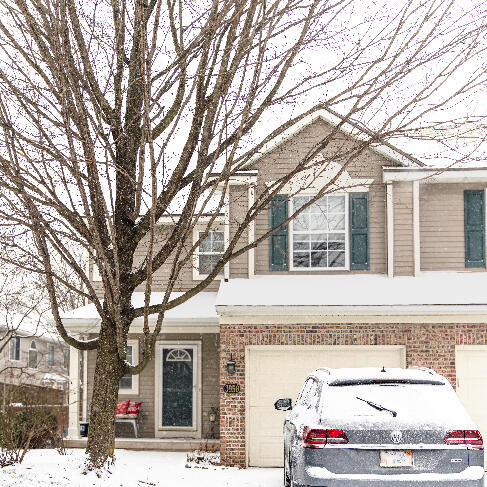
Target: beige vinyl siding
{"type": "Point", "coordinates": [239, 204]}
{"type": "Point", "coordinates": [368, 165]}
{"type": "Point", "coordinates": [442, 227]}
{"type": "Point", "coordinates": [403, 229]}
{"type": "Point", "coordinates": [210, 386]}
{"type": "Point", "coordinates": [184, 281]}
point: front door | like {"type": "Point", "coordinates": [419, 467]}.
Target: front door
{"type": "Point", "coordinates": [178, 398]}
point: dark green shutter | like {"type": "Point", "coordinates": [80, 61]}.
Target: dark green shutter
{"type": "Point", "coordinates": [473, 201]}
{"type": "Point", "coordinates": [359, 231]}
{"type": "Point", "coordinates": [278, 242]}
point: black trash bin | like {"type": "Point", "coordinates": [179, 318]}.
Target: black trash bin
{"type": "Point", "coordinates": [83, 429]}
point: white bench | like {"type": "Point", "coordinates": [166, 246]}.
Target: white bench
{"type": "Point", "coordinates": [133, 419]}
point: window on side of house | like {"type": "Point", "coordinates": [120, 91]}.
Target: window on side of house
{"type": "Point", "coordinates": [129, 383]}
{"type": "Point", "coordinates": [50, 354]}
{"type": "Point", "coordinates": [319, 238]}
{"type": "Point", "coordinates": [210, 251]}
{"type": "Point", "coordinates": [14, 349]}
{"type": "Point", "coordinates": [32, 358]}
{"type": "Point", "coordinates": [66, 358]}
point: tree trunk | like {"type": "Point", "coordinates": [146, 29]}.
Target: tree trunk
{"type": "Point", "coordinates": [108, 372]}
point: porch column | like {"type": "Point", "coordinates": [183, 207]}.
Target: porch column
{"type": "Point", "coordinates": [251, 231]}
{"type": "Point", "coordinates": [390, 230]}
{"type": "Point", "coordinates": [226, 232]}
{"type": "Point", "coordinates": [84, 414]}
{"type": "Point", "coordinates": [73, 396]}
{"type": "Point", "coordinates": [416, 241]}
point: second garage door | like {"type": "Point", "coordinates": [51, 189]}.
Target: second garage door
{"type": "Point", "coordinates": [471, 365]}
{"type": "Point", "coordinates": [275, 372]}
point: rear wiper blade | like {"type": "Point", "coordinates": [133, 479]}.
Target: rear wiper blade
{"type": "Point", "coordinates": [378, 406]}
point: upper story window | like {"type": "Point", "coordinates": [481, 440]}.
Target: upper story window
{"type": "Point", "coordinates": [66, 358]}
{"type": "Point", "coordinates": [210, 251]}
{"type": "Point", "coordinates": [32, 363]}
{"type": "Point", "coordinates": [14, 349]}
{"type": "Point", "coordinates": [319, 238]}
{"type": "Point", "coordinates": [50, 354]}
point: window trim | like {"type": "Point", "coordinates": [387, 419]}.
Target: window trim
{"type": "Point", "coordinates": [134, 390]}
{"type": "Point", "coordinates": [35, 349]}
{"type": "Point", "coordinates": [196, 258]}
{"type": "Point", "coordinates": [183, 431]}
{"type": "Point", "coordinates": [65, 358]}
{"type": "Point", "coordinates": [49, 347]}
{"type": "Point", "coordinates": [347, 237]}
{"type": "Point", "coordinates": [17, 338]}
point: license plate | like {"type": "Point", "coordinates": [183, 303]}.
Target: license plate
{"type": "Point", "coordinates": [396, 458]}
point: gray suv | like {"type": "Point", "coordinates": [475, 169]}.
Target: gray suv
{"type": "Point", "coordinates": [378, 427]}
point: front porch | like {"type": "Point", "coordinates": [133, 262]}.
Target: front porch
{"type": "Point", "coordinates": [154, 444]}
{"type": "Point", "coordinates": [178, 391]}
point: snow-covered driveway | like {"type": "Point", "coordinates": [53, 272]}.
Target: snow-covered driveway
{"type": "Point", "coordinates": [46, 468]}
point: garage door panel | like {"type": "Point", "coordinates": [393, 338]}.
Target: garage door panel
{"type": "Point", "coordinates": [471, 366]}
{"type": "Point", "coordinates": [275, 373]}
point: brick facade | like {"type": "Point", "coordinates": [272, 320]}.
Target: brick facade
{"type": "Point", "coordinates": [427, 345]}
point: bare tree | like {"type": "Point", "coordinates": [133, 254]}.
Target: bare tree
{"type": "Point", "coordinates": [117, 113]}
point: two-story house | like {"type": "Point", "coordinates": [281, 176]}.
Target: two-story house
{"type": "Point", "coordinates": [31, 355]}
{"type": "Point", "coordinates": [387, 269]}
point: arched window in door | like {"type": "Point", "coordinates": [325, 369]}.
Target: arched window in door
{"type": "Point", "coordinates": [178, 355]}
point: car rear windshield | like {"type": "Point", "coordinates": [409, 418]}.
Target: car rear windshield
{"type": "Point", "coordinates": [409, 400]}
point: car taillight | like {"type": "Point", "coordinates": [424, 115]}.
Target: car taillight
{"type": "Point", "coordinates": [464, 437]}
{"type": "Point", "coordinates": [317, 438]}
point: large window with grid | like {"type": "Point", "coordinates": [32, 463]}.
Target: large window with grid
{"type": "Point", "coordinates": [210, 251]}
{"type": "Point", "coordinates": [318, 235]}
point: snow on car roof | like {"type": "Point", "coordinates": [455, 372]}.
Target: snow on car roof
{"type": "Point", "coordinates": [416, 404]}
{"type": "Point", "coordinates": [378, 373]}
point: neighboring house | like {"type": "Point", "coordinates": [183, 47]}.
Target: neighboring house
{"type": "Point", "coordinates": [31, 355]}
{"type": "Point", "coordinates": [389, 270]}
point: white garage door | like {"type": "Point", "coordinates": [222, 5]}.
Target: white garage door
{"type": "Point", "coordinates": [471, 365]}
{"type": "Point", "coordinates": [275, 372]}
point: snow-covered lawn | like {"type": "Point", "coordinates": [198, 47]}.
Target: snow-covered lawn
{"type": "Point", "coordinates": [46, 468]}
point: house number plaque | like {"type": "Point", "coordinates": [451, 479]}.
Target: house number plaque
{"type": "Point", "coordinates": [231, 388]}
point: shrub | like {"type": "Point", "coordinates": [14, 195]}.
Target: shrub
{"type": "Point", "coordinates": [23, 427]}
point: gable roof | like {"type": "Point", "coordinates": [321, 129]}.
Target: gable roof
{"type": "Point", "coordinates": [352, 128]}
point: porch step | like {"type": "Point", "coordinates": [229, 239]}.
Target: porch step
{"type": "Point", "coordinates": [162, 444]}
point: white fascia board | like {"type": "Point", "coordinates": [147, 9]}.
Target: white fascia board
{"type": "Point", "coordinates": [175, 325]}
{"type": "Point", "coordinates": [172, 219]}
{"type": "Point", "coordinates": [403, 310]}
{"type": "Point", "coordinates": [238, 181]}
{"type": "Point", "coordinates": [435, 175]}
{"type": "Point", "coordinates": [388, 151]}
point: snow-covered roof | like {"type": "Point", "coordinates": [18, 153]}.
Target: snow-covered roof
{"type": "Point", "coordinates": [350, 127]}
{"type": "Point", "coordinates": [51, 377]}
{"type": "Point", "coordinates": [26, 326]}
{"type": "Point", "coordinates": [335, 293]}
{"type": "Point", "coordinates": [199, 308]}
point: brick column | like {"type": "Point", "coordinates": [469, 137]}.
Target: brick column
{"type": "Point", "coordinates": [232, 406]}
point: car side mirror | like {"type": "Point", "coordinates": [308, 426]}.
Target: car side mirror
{"type": "Point", "coordinates": [283, 404]}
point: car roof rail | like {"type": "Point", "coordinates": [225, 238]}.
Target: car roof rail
{"type": "Point", "coordinates": [424, 369]}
